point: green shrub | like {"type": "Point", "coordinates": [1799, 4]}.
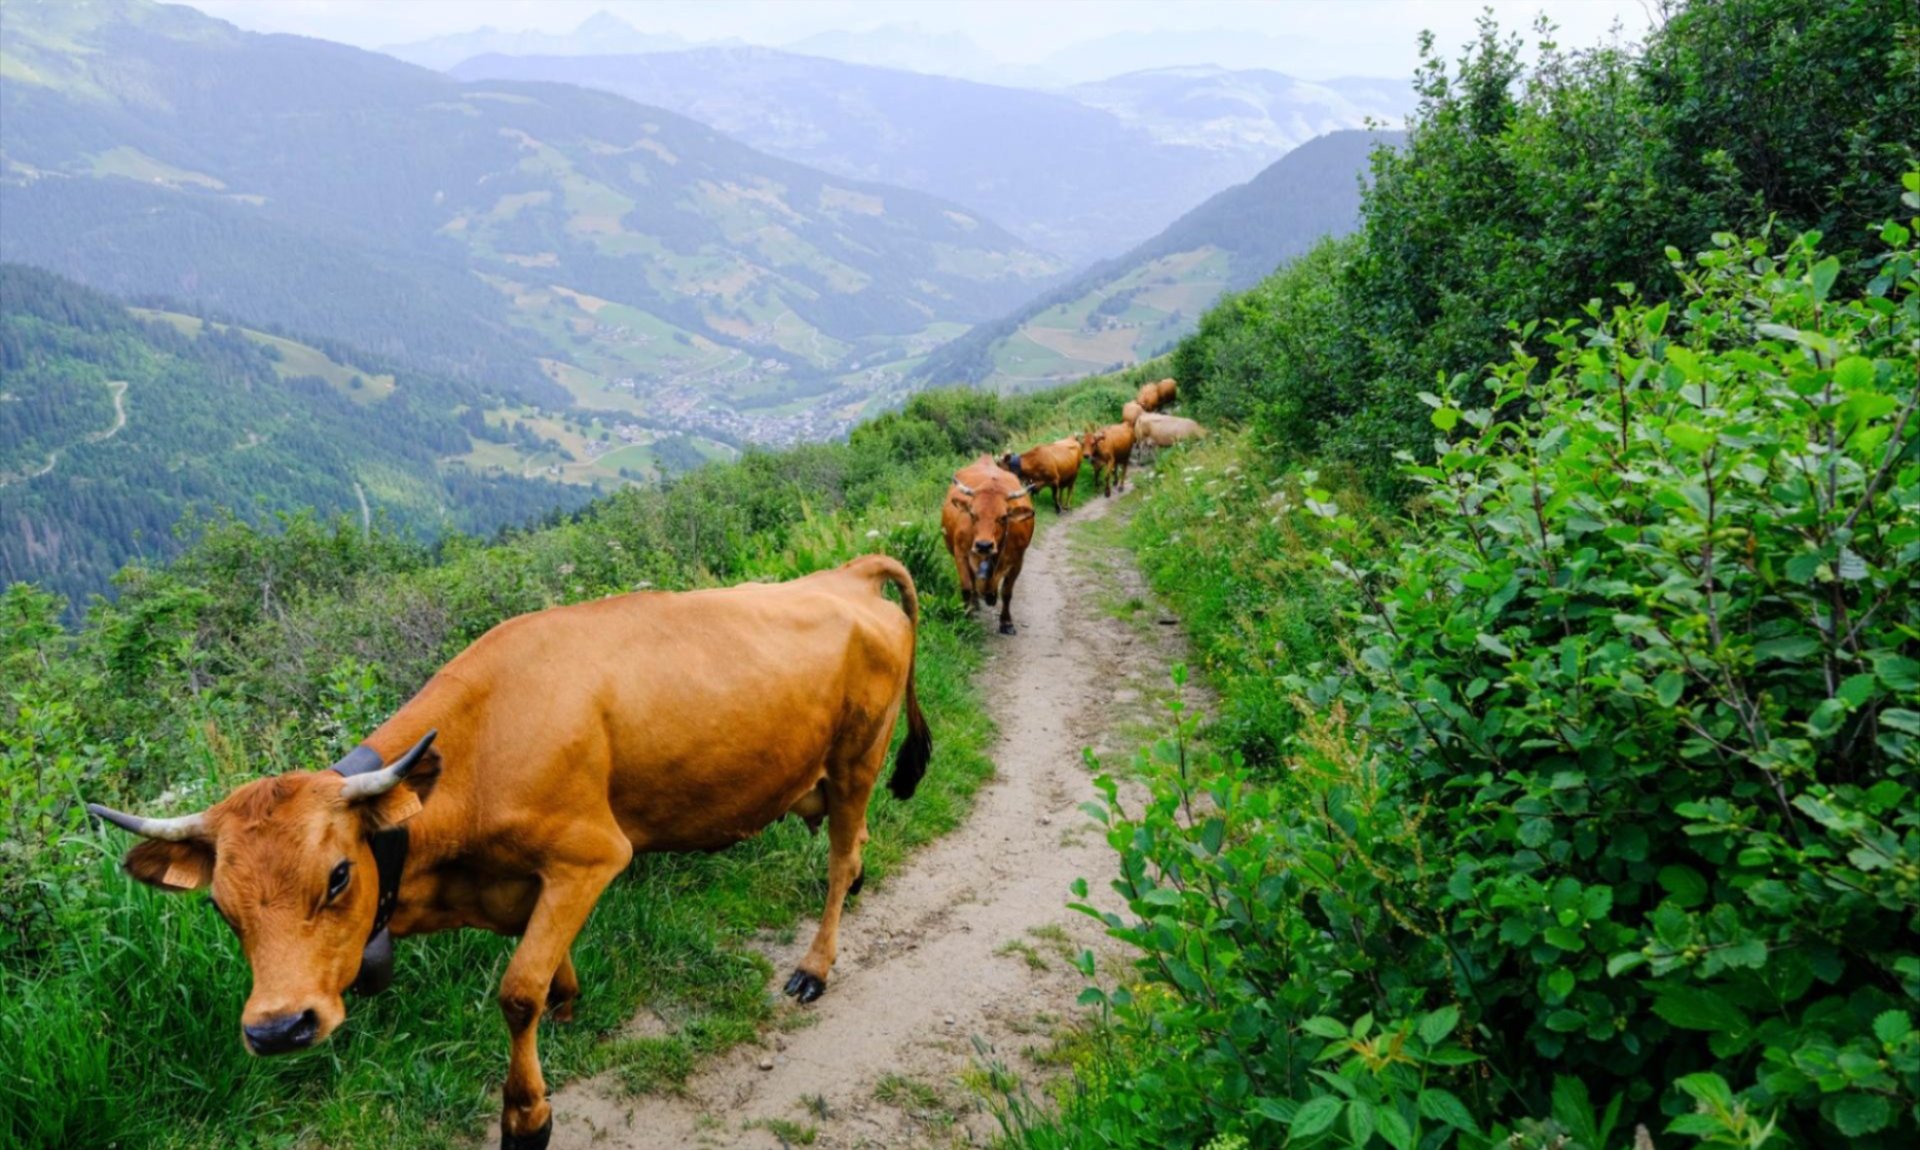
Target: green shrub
{"type": "Point", "coordinates": [1620, 764]}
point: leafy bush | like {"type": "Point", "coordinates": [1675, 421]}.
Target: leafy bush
{"type": "Point", "coordinates": [1617, 759]}
{"type": "Point", "coordinates": [1523, 192]}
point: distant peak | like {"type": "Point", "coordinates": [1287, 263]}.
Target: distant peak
{"type": "Point", "coordinates": [604, 23]}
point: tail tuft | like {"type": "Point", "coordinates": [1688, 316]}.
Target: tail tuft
{"type": "Point", "coordinates": [910, 765]}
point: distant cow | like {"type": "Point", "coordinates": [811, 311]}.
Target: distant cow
{"type": "Point", "coordinates": [1053, 465]}
{"type": "Point", "coordinates": [1109, 450]}
{"type": "Point", "coordinates": [988, 521]}
{"type": "Point", "coordinates": [1165, 430]}
{"type": "Point", "coordinates": [569, 740]}
{"type": "Point", "coordinates": [1165, 392]}
{"type": "Point", "coordinates": [1148, 397]}
{"type": "Point", "coordinates": [1131, 412]}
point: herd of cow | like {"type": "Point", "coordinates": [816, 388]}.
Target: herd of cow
{"type": "Point", "coordinates": [528, 772]}
{"type": "Point", "coordinates": [988, 517]}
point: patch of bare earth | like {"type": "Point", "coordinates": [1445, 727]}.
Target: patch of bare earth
{"type": "Point", "coordinates": [967, 947]}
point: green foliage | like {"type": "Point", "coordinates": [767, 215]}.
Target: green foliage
{"type": "Point", "coordinates": [1611, 755]}
{"type": "Point", "coordinates": [1524, 192]}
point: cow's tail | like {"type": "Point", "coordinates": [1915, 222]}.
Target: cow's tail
{"type": "Point", "coordinates": [910, 765]}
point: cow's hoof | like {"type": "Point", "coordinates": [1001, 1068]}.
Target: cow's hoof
{"type": "Point", "coordinates": [804, 987]}
{"type": "Point", "coordinates": [1006, 628]}
{"type": "Point", "coordinates": [859, 881]}
{"type": "Point", "coordinates": [992, 598]}
{"type": "Point", "coordinates": [537, 1140]}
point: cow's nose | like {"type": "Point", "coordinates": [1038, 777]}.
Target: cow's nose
{"type": "Point", "coordinates": [983, 545]}
{"type": "Point", "coordinates": [279, 1035]}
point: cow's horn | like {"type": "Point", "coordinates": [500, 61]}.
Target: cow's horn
{"type": "Point", "coordinates": [964, 489]}
{"type": "Point", "coordinates": [168, 830]}
{"type": "Point", "coordinates": [379, 782]}
{"type": "Point", "coordinates": [1027, 490]}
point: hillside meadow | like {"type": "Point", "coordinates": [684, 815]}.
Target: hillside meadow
{"type": "Point", "coordinates": [271, 648]}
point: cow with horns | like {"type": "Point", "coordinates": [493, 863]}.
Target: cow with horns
{"type": "Point", "coordinates": [567, 741]}
{"type": "Point", "coordinates": [988, 522]}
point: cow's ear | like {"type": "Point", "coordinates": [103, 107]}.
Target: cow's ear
{"type": "Point", "coordinates": [384, 812]}
{"type": "Point", "coordinates": [1019, 514]}
{"type": "Point", "coordinates": [171, 866]}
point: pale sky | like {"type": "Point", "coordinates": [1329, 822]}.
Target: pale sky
{"type": "Point", "coordinates": [1315, 39]}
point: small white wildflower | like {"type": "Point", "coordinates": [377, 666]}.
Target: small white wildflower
{"type": "Point", "coordinates": [874, 534]}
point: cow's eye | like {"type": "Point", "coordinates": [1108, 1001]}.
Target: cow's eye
{"type": "Point", "coordinates": [337, 881]}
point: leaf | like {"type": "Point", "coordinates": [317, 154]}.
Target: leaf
{"type": "Point", "coordinates": [1707, 1087]}
{"type": "Point", "coordinates": [1853, 373]}
{"type": "Point", "coordinates": [1360, 1121]}
{"type": "Point", "coordinates": [1324, 1027]}
{"type": "Point", "coordinates": [1668, 686]}
{"type": "Point", "coordinates": [1442, 1106]}
{"type": "Point", "coordinates": [1788, 649]}
{"type": "Point", "coordinates": [1855, 1114]}
{"type": "Point", "coordinates": [1445, 418]}
{"type": "Point", "coordinates": [1393, 1127]}
{"type": "Point", "coordinates": [1824, 273]}
{"type": "Point", "coordinates": [1697, 1008]}
{"type": "Point", "coordinates": [1436, 1025]}
{"type": "Point", "coordinates": [1492, 644]}
{"type": "Point", "coordinates": [1683, 884]}
{"type": "Point", "coordinates": [1688, 436]}
{"type": "Point", "coordinates": [1566, 1021]}
{"type": "Point", "coordinates": [1897, 671]}
{"type": "Point", "coordinates": [1319, 1113]}
{"type": "Point", "coordinates": [1890, 1026]}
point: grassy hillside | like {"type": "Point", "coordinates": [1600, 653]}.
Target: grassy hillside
{"type": "Point", "coordinates": [269, 649]}
{"type": "Point", "coordinates": [1066, 177]}
{"type": "Point", "coordinates": [469, 230]}
{"type": "Point", "coordinates": [1134, 307]}
{"type": "Point", "coordinates": [116, 423]}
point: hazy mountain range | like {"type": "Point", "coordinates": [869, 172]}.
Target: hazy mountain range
{"type": "Point", "coordinates": [540, 241]}
{"type": "Point", "coordinates": [1084, 182]}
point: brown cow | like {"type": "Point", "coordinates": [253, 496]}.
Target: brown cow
{"type": "Point", "coordinates": [1110, 449]}
{"type": "Point", "coordinates": [1148, 397]}
{"type": "Point", "coordinates": [1165, 392]}
{"type": "Point", "coordinates": [988, 520]}
{"type": "Point", "coordinates": [569, 740]}
{"type": "Point", "coordinates": [1053, 465]}
{"type": "Point", "coordinates": [1131, 412]}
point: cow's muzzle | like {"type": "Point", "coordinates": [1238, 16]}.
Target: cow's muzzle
{"type": "Point", "coordinates": [280, 1035]}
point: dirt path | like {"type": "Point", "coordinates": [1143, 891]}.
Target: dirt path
{"type": "Point", "coordinates": [119, 389]}
{"type": "Point", "coordinates": [967, 944]}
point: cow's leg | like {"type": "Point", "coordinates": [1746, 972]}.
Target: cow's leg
{"type": "Point", "coordinates": [847, 833]}
{"type": "Point", "coordinates": [565, 988]}
{"type": "Point", "coordinates": [966, 582]}
{"type": "Point", "coordinates": [1056, 500]}
{"type": "Point", "coordinates": [1006, 602]}
{"type": "Point", "coordinates": [568, 892]}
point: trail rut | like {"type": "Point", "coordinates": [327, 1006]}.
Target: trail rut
{"type": "Point", "coordinates": [966, 945]}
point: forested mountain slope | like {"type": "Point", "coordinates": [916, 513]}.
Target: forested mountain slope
{"type": "Point", "coordinates": [112, 426]}
{"type": "Point", "coordinates": [1063, 174]}
{"type": "Point", "coordinates": [533, 240]}
{"type": "Point", "coordinates": [1134, 307]}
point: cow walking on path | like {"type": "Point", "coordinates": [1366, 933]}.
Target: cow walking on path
{"type": "Point", "coordinates": [1109, 451]}
{"type": "Point", "coordinates": [988, 522]}
{"type": "Point", "coordinates": [1055, 466]}
{"type": "Point", "coordinates": [568, 741]}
